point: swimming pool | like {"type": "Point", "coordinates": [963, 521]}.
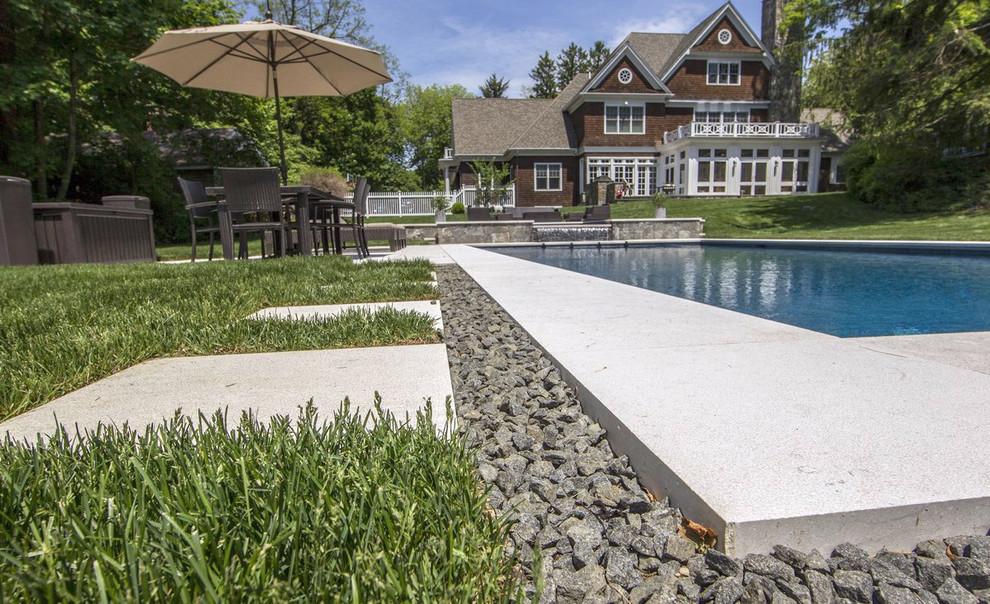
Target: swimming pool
{"type": "Point", "coordinates": [843, 293]}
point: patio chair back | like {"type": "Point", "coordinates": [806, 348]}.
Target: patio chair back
{"type": "Point", "coordinates": [360, 198]}
{"type": "Point", "coordinates": [195, 193]}
{"type": "Point", "coordinates": [251, 189]}
{"type": "Point", "coordinates": [202, 213]}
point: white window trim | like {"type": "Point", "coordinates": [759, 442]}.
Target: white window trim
{"type": "Point", "coordinates": [630, 106]}
{"type": "Point", "coordinates": [708, 68]}
{"type": "Point", "coordinates": [560, 175]}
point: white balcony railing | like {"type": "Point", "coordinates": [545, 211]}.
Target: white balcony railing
{"type": "Point", "coordinates": [448, 153]}
{"type": "Point", "coordinates": [741, 129]}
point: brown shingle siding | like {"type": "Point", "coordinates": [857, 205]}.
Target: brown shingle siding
{"type": "Point", "coordinates": [589, 120]}
{"type": "Point", "coordinates": [738, 44]}
{"type": "Point", "coordinates": [638, 84]}
{"type": "Point", "coordinates": [690, 81]}
{"type": "Point", "coordinates": [527, 196]}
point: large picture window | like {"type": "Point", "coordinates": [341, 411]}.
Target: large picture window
{"type": "Point", "coordinates": [625, 119]}
{"type": "Point", "coordinates": [547, 177]}
{"type": "Point", "coordinates": [724, 73]}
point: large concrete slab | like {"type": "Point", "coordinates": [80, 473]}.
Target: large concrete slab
{"type": "Point", "coordinates": [768, 433]}
{"type": "Point", "coordinates": [268, 383]}
{"type": "Point", "coordinates": [430, 308]}
{"type": "Point", "coordinates": [967, 350]}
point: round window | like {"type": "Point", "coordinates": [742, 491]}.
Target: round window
{"type": "Point", "coordinates": [625, 75]}
{"type": "Point", "coordinates": [724, 36]}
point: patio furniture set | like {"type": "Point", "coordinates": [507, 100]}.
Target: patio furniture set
{"type": "Point", "coordinates": [294, 218]}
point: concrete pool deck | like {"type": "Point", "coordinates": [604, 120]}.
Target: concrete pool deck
{"type": "Point", "coordinates": [766, 432]}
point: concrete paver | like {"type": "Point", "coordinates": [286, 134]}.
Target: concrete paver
{"type": "Point", "coordinates": [431, 308]}
{"type": "Point", "coordinates": [766, 432]}
{"type": "Point", "coordinates": [268, 383]}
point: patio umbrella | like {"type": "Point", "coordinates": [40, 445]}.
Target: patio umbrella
{"type": "Point", "coordinates": [265, 59]}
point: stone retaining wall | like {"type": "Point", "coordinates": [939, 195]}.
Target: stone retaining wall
{"type": "Point", "coordinates": [522, 231]}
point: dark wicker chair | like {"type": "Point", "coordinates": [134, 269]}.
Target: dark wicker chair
{"type": "Point", "coordinates": [202, 213]}
{"type": "Point", "coordinates": [255, 191]}
{"type": "Point", "coordinates": [355, 226]}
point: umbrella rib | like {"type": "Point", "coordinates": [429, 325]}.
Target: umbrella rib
{"type": "Point", "coordinates": [216, 60]}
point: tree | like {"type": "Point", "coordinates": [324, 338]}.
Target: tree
{"type": "Point", "coordinates": [494, 87]}
{"type": "Point", "coordinates": [493, 181]}
{"type": "Point", "coordinates": [72, 78]}
{"type": "Point", "coordinates": [544, 77]}
{"type": "Point", "coordinates": [597, 54]}
{"type": "Point", "coordinates": [426, 126]}
{"type": "Point", "coordinates": [911, 78]}
{"type": "Point", "coordinates": [570, 62]}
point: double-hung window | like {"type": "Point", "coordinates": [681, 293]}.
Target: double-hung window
{"type": "Point", "coordinates": [725, 73]}
{"type": "Point", "coordinates": [625, 119]}
{"type": "Point", "coordinates": [547, 177]}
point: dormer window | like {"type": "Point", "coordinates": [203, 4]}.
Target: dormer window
{"type": "Point", "coordinates": [625, 119]}
{"type": "Point", "coordinates": [723, 73]}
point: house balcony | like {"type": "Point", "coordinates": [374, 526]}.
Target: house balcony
{"type": "Point", "coordinates": [742, 129]}
{"type": "Point", "coordinates": [448, 153]}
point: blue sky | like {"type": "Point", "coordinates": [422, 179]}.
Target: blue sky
{"type": "Point", "coordinates": [464, 41]}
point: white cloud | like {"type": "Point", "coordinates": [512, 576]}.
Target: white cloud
{"type": "Point", "coordinates": [472, 51]}
{"type": "Point", "coordinates": [677, 19]}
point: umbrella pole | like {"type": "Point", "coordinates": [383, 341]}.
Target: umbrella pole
{"type": "Point", "coordinates": [283, 168]}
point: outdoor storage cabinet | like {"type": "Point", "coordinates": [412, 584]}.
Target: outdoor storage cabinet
{"type": "Point", "coordinates": [70, 233]}
{"type": "Point", "coordinates": [17, 242]}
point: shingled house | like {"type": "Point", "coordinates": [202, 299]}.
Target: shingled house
{"type": "Point", "coordinates": [685, 113]}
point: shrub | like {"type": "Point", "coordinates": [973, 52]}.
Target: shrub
{"type": "Point", "coordinates": [325, 179]}
{"type": "Point", "coordinates": [358, 508]}
{"type": "Point", "coordinates": [909, 177]}
{"type": "Point", "coordinates": [457, 208]}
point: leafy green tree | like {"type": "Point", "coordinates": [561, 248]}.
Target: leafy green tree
{"type": "Point", "coordinates": [493, 181]}
{"type": "Point", "coordinates": [426, 125]}
{"type": "Point", "coordinates": [494, 87]}
{"type": "Point", "coordinates": [570, 62]}
{"type": "Point", "coordinates": [359, 134]}
{"type": "Point", "coordinates": [912, 80]}
{"type": "Point", "coordinates": [544, 77]}
{"type": "Point", "coordinates": [71, 78]}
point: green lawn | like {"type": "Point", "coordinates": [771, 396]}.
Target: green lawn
{"type": "Point", "coordinates": [62, 327]}
{"type": "Point", "coordinates": [822, 216]}
{"type": "Point", "coordinates": [201, 510]}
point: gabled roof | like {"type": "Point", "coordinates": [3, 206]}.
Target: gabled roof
{"type": "Point", "coordinates": [655, 49]}
{"type": "Point", "coordinates": [553, 129]}
{"type": "Point", "coordinates": [489, 126]}
{"type": "Point", "coordinates": [629, 52]}
{"type": "Point", "coordinates": [494, 127]}
{"type": "Point", "coordinates": [696, 35]}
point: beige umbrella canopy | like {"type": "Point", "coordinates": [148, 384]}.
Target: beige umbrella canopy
{"type": "Point", "coordinates": [265, 59]}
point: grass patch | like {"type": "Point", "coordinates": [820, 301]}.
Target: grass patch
{"type": "Point", "coordinates": [353, 510]}
{"type": "Point", "coordinates": [62, 327]}
{"type": "Point", "coordinates": [831, 216]}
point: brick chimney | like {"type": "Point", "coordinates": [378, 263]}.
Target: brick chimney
{"type": "Point", "coordinates": [785, 79]}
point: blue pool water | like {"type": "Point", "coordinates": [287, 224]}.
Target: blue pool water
{"type": "Point", "coordinates": [843, 293]}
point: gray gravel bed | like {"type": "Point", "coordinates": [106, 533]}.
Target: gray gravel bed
{"type": "Point", "coordinates": [600, 535]}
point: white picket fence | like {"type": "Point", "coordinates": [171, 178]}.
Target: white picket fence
{"type": "Point", "coordinates": [400, 203]}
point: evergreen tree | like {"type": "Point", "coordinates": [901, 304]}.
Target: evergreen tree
{"type": "Point", "coordinates": [494, 87]}
{"type": "Point", "coordinates": [544, 77]}
{"type": "Point", "coordinates": [597, 54]}
{"type": "Point", "coordinates": [570, 62]}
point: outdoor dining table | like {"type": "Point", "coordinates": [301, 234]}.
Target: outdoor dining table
{"type": "Point", "coordinates": [302, 197]}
